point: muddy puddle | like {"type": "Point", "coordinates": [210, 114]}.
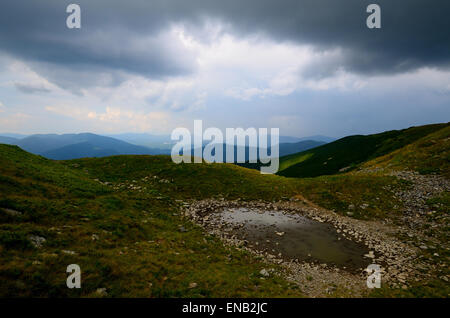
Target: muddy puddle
{"type": "Point", "coordinates": [294, 236]}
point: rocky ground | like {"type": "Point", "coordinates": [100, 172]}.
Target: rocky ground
{"type": "Point", "coordinates": [414, 199]}
{"type": "Point", "coordinates": [410, 249]}
{"type": "Point", "coordinates": [322, 279]}
{"type": "Point", "coordinates": [407, 249]}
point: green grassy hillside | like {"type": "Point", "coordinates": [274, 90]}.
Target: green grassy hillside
{"type": "Point", "coordinates": [346, 153]}
{"type": "Point", "coordinates": [430, 154]}
{"type": "Point", "coordinates": [125, 240]}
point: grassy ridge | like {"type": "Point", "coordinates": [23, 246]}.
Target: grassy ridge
{"type": "Point", "coordinates": [351, 151]}
{"type": "Point", "coordinates": [430, 154]}
{"type": "Point", "coordinates": [200, 181]}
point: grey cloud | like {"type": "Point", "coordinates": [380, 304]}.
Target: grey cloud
{"type": "Point", "coordinates": [30, 88]}
{"type": "Point", "coordinates": [125, 35]}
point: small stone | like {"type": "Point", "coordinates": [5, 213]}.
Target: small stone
{"type": "Point", "coordinates": [330, 289]}
{"type": "Point", "coordinates": [182, 229]}
{"type": "Point", "coordinates": [12, 212]}
{"type": "Point", "coordinates": [36, 241]}
{"type": "Point", "coordinates": [68, 252]}
{"type": "Point", "coordinates": [192, 285]}
{"type": "Point", "coordinates": [264, 272]}
{"type": "Point", "coordinates": [101, 292]}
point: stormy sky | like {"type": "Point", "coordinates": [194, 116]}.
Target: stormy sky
{"type": "Point", "coordinates": [305, 66]}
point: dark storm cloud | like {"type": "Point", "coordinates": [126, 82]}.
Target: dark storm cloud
{"type": "Point", "coordinates": [36, 32]}
{"type": "Point", "coordinates": [115, 33]}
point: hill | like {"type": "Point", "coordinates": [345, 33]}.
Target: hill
{"type": "Point", "coordinates": [284, 149]}
{"type": "Point", "coordinates": [146, 140]}
{"type": "Point", "coordinates": [291, 148]}
{"type": "Point", "coordinates": [71, 146]}
{"type": "Point", "coordinates": [430, 154]}
{"type": "Point", "coordinates": [348, 152]}
{"type": "Point", "coordinates": [8, 140]}
{"type": "Point", "coordinates": [164, 141]}
{"type": "Point", "coordinates": [127, 241]}
{"type": "Point", "coordinates": [81, 150]}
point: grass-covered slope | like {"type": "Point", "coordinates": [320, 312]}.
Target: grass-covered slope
{"type": "Point", "coordinates": [348, 152]}
{"type": "Point", "coordinates": [200, 181]}
{"type": "Point", "coordinates": [430, 154]}
{"type": "Point", "coordinates": [125, 240]}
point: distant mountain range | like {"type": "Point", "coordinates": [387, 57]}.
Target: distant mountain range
{"type": "Point", "coordinates": [164, 141]}
{"type": "Point", "coordinates": [284, 150]}
{"type": "Point", "coordinates": [73, 146]}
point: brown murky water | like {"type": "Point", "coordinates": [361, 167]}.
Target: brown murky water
{"type": "Point", "coordinates": [295, 237]}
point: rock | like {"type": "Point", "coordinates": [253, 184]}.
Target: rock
{"type": "Point", "coordinates": [94, 237]}
{"type": "Point", "coordinates": [68, 252]}
{"type": "Point", "coordinates": [350, 213]}
{"type": "Point", "coordinates": [37, 241]}
{"type": "Point", "coordinates": [12, 212]}
{"type": "Point", "coordinates": [182, 229]}
{"type": "Point", "coordinates": [351, 207]}
{"type": "Point", "coordinates": [264, 272]}
{"type": "Point", "coordinates": [101, 292]}
{"type": "Point", "coordinates": [280, 233]}
{"type": "Point", "coordinates": [330, 289]}
{"type": "Point", "coordinates": [424, 247]}
{"type": "Point", "coordinates": [192, 285]}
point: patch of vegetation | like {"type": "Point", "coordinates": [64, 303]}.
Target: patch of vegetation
{"type": "Point", "coordinates": [358, 196]}
{"type": "Point", "coordinates": [440, 203]}
{"type": "Point", "coordinates": [436, 288]}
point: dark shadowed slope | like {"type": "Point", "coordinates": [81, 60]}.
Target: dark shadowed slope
{"type": "Point", "coordinates": [343, 154]}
